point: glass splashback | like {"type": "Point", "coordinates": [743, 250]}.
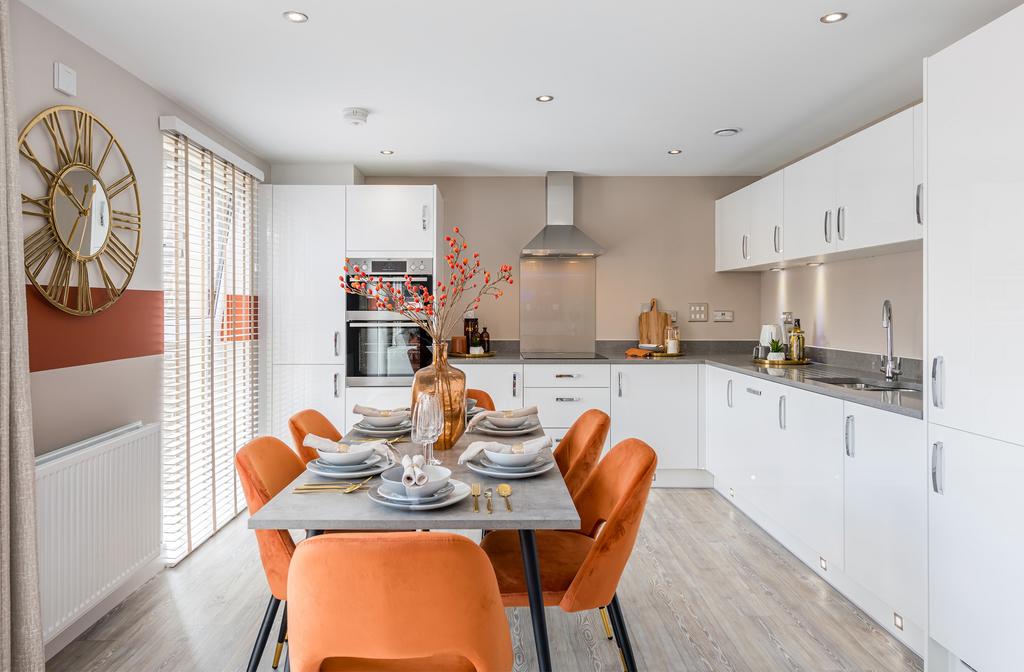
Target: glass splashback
{"type": "Point", "coordinates": [557, 305]}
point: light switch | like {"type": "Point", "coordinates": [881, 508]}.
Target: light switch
{"type": "Point", "coordinates": [698, 312]}
{"type": "Point", "coordinates": [723, 316]}
{"type": "Point", "coordinates": [65, 79]}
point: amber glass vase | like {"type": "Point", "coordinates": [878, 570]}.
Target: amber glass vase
{"type": "Point", "coordinates": [449, 385]}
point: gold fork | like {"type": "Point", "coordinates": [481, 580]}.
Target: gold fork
{"type": "Point", "coordinates": [475, 491]}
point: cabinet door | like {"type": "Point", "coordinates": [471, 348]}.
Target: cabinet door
{"type": "Point", "coordinates": [658, 404]}
{"type": "Point", "coordinates": [390, 219]}
{"type": "Point", "coordinates": [810, 449]}
{"type": "Point", "coordinates": [297, 387]}
{"type": "Point", "coordinates": [885, 512]}
{"type": "Point", "coordinates": [766, 220]}
{"type": "Point", "coordinates": [758, 449]}
{"type": "Point", "coordinates": [307, 311]}
{"type": "Point", "coordinates": [723, 430]}
{"type": "Point", "coordinates": [504, 382]}
{"type": "Point", "coordinates": [376, 397]}
{"type": "Point", "coordinates": [875, 184]}
{"type": "Point", "coordinates": [731, 240]}
{"type": "Point", "coordinates": [560, 407]}
{"type": "Point", "coordinates": [809, 188]}
{"type": "Point", "coordinates": [975, 547]}
{"type": "Point", "coordinates": [974, 238]}
{"type": "Point", "coordinates": [919, 199]}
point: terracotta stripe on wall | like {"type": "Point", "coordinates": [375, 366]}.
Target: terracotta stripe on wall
{"type": "Point", "coordinates": [132, 327]}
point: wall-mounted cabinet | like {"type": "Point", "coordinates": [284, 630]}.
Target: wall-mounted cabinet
{"type": "Point", "coordinates": [857, 197]}
{"type": "Point", "coordinates": [392, 220]}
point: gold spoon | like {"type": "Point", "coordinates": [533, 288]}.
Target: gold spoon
{"type": "Point", "coordinates": [505, 490]}
{"type": "Point", "coordinates": [475, 491]}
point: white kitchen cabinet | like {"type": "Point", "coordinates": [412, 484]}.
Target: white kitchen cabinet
{"type": "Point", "coordinates": [749, 225]}
{"type": "Point", "coordinates": [561, 406]}
{"type": "Point", "coordinates": [307, 243]}
{"type": "Point", "coordinates": [885, 508]}
{"type": "Point", "coordinates": [396, 220]}
{"type": "Point", "coordinates": [757, 457]}
{"type": "Point", "coordinates": [975, 546]}
{"type": "Point", "coordinates": [809, 430]}
{"type": "Point", "coordinates": [297, 387]}
{"type": "Point", "coordinates": [875, 187]}
{"type": "Point", "coordinates": [973, 235]}
{"type": "Point", "coordinates": [376, 397]}
{"type": "Point", "coordinates": [810, 205]}
{"type": "Point", "coordinates": [723, 431]}
{"type": "Point", "coordinates": [731, 240]}
{"type": "Point", "coordinates": [567, 375]}
{"type": "Point", "coordinates": [504, 382]}
{"type": "Point", "coordinates": [919, 198]}
{"type": "Point", "coordinates": [658, 404]}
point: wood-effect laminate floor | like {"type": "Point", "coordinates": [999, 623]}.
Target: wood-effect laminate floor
{"type": "Point", "coordinates": [706, 589]}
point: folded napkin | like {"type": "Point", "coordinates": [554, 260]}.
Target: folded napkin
{"type": "Point", "coordinates": [515, 413]}
{"type": "Point", "coordinates": [320, 443]}
{"type": "Point", "coordinates": [525, 448]}
{"type": "Point", "coordinates": [638, 352]}
{"type": "Point", "coordinates": [369, 411]}
{"type": "Point", "coordinates": [413, 473]}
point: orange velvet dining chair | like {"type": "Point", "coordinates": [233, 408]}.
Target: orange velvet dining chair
{"type": "Point", "coordinates": [582, 571]}
{"type": "Point", "coordinates": [266, 465]}
{"type": "Point", "coordinates": [407, 601]}
{"type": "Point", "coordinates": [483, 400]}
{"type": "Point", "coordinates": [580, 449]}
{"type": "Point", "coordinates": [312, 422]}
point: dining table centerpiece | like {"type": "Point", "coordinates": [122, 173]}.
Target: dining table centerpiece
{"type": "Point", "coordinates": [438, 313]}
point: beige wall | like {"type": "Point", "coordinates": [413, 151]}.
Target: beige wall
{"type": "Point", "coordinates": [74, 403]}
{"type": "Point", "coordinates": [840, 303]}
{"type": "Point", "coordinates": [659, 233]}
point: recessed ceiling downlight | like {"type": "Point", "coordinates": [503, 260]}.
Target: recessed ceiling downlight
{"type": "Point", "coordinates": [673, 152]}
{"type": "Point", "coordinates": [728, 132]}
{"type": "Point", "coordinates": [833, 17]}
{"type": "Point", "coordinates": [387, 152]}
{"type": "Point", "coordinates": [295, 17]}
{"type": "Point", "coordinates": [545, 98]}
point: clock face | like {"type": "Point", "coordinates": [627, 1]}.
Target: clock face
{"type": "Point", "coordinates": [80, 204]}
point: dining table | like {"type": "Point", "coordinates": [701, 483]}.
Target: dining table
{"type": "Point", "coordinates": [540, 502]}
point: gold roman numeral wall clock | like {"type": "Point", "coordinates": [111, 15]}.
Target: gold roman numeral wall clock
{"type": "Point", "coordinates": [79, 186]}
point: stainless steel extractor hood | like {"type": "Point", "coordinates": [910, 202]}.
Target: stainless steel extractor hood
{"type": "Point", "coordinates": [560, 237]}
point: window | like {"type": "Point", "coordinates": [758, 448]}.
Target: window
{"type": "Point", "coordinates": [211, 345]}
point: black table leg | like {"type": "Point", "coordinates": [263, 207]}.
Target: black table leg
{"type": "Point", "coordinates": [313, 533]}
{"type": "Point", "coordinates": [531, 569]}
{"type": "Point", "coordinates": [264, 634]}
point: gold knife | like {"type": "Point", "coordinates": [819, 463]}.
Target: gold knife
{"type": "Point", "coordinates": [487, 495]}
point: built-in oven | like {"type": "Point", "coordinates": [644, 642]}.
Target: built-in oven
{"type": "Point", "coordinates": [384, 348]}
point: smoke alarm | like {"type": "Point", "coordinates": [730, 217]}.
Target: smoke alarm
{"type": "Point", "coordinates": [355, 115]}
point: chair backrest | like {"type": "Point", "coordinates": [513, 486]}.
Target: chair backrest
{"type": "Point", "coordinates": [266, 465]}
{"type": "Point", "coordinates": [311, 422]}
{"type": "Point", "coordinates": [579, 450]}
{"type": "Point", "coordinates": [483, 400]}
{"type": "Point", "coordinates": [401, 595]}
{"type": "Point", "coordinates": [611, 505]}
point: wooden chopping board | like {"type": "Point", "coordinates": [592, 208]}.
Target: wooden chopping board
{"type": "Point", "coordinates": [653, 323]}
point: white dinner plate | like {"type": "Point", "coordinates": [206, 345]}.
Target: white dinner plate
{"type": "Point", "coordinates": [382, 433]}
{"type": "Point", "coordinates": [372, 470]}
{"type": "Point", "coordinates": [460, 492]}
{"type": "Point", "coordinates": [397, 493]}
{"type": "Point", "coordinates": [485, 427]}
{"type": "Point", "coordinates": [494, 473]}
{"type": "Point", "coordinates": [347, 468]}
{"type": "Point", "coordinates": [487, 463]}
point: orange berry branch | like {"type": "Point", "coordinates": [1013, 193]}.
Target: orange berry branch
{"type": "Point", "coordinates": [439, 311]}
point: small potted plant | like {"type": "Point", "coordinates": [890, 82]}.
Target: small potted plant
{"type": "Point", "coordinates": [775, 351]}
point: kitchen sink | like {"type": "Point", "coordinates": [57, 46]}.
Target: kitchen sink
{"type": "Point", "coordinates": [868, 385]}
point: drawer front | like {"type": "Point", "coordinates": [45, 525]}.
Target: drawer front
{"type": "Point", "coordinates": [560, 406]}
{"type": "Point", "coordinates": [570, 375]}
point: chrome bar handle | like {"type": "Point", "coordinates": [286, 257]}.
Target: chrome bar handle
{"type": "Point", "coordinates": [424, 220]}
{"type": "Point", "coordinates": [919, 203]}
{"type": "Point", "coordinates": [620, 383]}
{"type": "Point", "coordinates": [938, 487]}
{"type": "Point", "coordinates": [775, 239]}
{"type": "Point", "coordinates": [337, 344]}
{"type": "Point", "coordinates": [745, 246]}
{"type": "Point", "coordinates": [841, 222]}
{"type": "Point", "coordinates": [728, 393]}
{"type": "Point", "coordinates": [782, 411]}
{"type": "Point", "coordinates": [828, 225]}
{"type": "Point", "coordinates": [337, 386]}
{"type": "Point", "coordinates": [848, 436]}
{"type": "Point", "coordinates": [568, 399]}
{"type": "Point", "coordinates": [567, 375]}
{"type": "Point", "coordinates": [938, 371]}
{"type": "Point", "coordinates": [756, 393]}
{"type": "Point", "coordinates": [515, 384]}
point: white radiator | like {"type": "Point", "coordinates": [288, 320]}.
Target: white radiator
{"type": "Point", "coordinates": [98, 520]}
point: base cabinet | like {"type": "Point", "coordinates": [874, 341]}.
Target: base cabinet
{"type": "Point", "coordinates": [503, 382]}
{"type": "Point", "coordinates": [974, 548]}
{"type": "Point", "coordinates": [658, 404]}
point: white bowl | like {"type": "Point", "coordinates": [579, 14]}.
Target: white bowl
{"type": "Point", "coordinates": [353, 456]}
{"type": "Point", "coordinates": [507, 423]}
{"type": "Point", "coordinates": [511, 459]}
{"type": "Point", "coordinates": [437, 478]}
{"type": "Point", "coordinates": [386, 421]}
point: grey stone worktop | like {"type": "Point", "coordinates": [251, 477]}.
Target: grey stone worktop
{"type": "Point", "coordinates": [735, 356]}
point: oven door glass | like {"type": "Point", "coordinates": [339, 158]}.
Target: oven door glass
{"type": "Point", "coordinates": [385, 353]}
{"type": "Point", "coordinates": [360, 307]}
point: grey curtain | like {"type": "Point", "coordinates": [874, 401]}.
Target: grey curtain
{"type": "Point", "coordinates": [21, 646]}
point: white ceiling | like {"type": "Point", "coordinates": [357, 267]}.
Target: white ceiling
{"type": "Point", "coordinates": [451, 83]}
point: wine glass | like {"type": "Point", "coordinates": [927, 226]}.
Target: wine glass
{"type": "Point", "coordinates": [427, 424]}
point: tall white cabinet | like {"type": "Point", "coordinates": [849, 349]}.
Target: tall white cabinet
{"type": "Point", "coordinates": [974, 242]}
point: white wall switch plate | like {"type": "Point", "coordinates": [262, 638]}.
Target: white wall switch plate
{"type": "Point", "coordinates": [723, 316]}
{"type": "Point", "coordinates": [698, 312]}
{"type": "Point", "coordinates": [65, 79]}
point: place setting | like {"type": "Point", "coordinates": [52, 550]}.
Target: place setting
{"type": "Point", "coordinates": [509, 461]}
{"type": "Point", "coordinates": [383, 423]}
{"type": "Point", "coordinates": [340, 461]}
{"type": "Point", "coordinates": [515, 422]}
{"type": "Point", "coordinates": [417, 486]}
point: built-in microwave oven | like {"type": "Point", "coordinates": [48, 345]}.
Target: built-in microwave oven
{"type": "Point", "coordinates": [393, 271]}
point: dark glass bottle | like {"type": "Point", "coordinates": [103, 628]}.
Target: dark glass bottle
{"type": "Point", "coordinates": [485, 340]}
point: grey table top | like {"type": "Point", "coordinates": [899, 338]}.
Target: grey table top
{"type": "Point", "coordinates": [538, 503]}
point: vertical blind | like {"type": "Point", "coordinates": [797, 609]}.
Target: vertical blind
{"type": "Point", "coordinates": [211, 346]}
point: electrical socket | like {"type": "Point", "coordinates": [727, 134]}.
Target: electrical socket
{"type": "Point", "coordinates": [698, 312]}
{"type": "Point", "coordinates": [723, 316]}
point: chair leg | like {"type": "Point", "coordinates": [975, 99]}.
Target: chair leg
{"type": "Point", "coordinates": [281, 636]}
{"type": "Point", "coordinates": [264, 634]}
{"type": "Point", "coordinates": [605, 622]}
{"type": "Point", "coordinates": [621, 634]}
